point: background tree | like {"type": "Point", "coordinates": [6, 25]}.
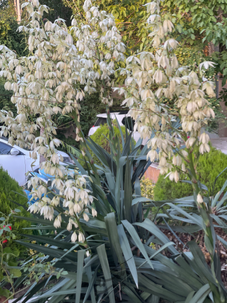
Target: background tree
{"type": "Point", "coordinates": [7, 9]}
{"type": "Point", "coordinates": [199, 23]}
{"type": "Point", "coordinates": [57, 10]}
{"type": "Point", "coordinates": [130, 18]}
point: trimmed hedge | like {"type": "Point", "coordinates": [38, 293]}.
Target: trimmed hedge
{"type": "Point", "coordinates": [101, 137]}
{"type": "Point", "coordinates": [210, 165]}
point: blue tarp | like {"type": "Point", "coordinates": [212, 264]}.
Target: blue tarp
{"type": "Point", "coordinates": [29, 196]}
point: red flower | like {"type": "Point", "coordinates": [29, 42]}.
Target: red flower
{"type": "Point", "coordinates": [4, 241]}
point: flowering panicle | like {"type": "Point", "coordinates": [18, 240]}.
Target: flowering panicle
{"type": "Point", "coordinates": [101, 45]}
{"type": "Point", "coordinates": [152, 77]}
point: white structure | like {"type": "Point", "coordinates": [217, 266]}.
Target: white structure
{"type": "Point", "coordinates": [102, 119]}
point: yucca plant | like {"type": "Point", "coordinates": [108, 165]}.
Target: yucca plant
{"type": "Point", "coordinates": [118, 240]}
{"type": "Point", "coordinates": [118, 174]}
{"type": "Point", "coordinates": [122, 265]}
{"type": "Point", "coordinates": [124, 257]}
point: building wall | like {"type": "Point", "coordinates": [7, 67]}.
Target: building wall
{"type": "Point", "coordinates": [152, 173]}
{"type": "Point", "coordinates": [222, 131]}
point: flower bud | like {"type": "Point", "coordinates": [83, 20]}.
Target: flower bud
{"type": "Point", "coordinates": [69, 226]}
{"type": "Point", "coordinates": [74, 237]}
{"type": "Point", "coordinates": [199, 199]}
{"type": "Point", "coordinates": [174, 160]}
{"type": "Point", "coordinates": [81, 237]}
{"type": "Point", "coordinates": [94, 212]}
{"type": "Point", "coordinates": [176, 176]}
{"type": "Point", "coordinates": [85, 216]}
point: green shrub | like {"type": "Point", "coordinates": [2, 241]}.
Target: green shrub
{"type": "Point", "coordinates": [209, 166]}
{"type": "Point", "coordinates": [101, 137]}
{"type": "Point", "coordinates": [147, 188]}
{"type": "Point", "coordinates": [11, 192]}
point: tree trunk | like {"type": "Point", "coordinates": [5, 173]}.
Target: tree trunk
{"type": "Point", "coordinates": [18, 12]}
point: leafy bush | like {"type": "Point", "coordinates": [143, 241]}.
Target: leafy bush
{"type": "Point", "coordinates": [220, 117]}
{"type": "Point", "coordinates": [210, 165]}
{"type": "Point", "coordinates": [147, 188]}
{"type": "Point", "coordinates": [11, 192]}
{"type": "Point", "coordinates": [8, 257]}
{"type": "Point", "coordinates": [102, 136]}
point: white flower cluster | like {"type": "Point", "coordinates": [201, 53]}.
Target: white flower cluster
{"type": "Point", "coordinates": [47, 82]}
{"type": "Point", "coordinates": [151, 78]}
{"type": "Point", "coordinates": [101, 45]}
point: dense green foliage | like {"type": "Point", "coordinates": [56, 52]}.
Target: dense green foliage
{"type": "Point", "coordinates": [7, 10]}
{"type": "Point", "coordinates": [11, 192]}
{"type": "Point", "coordinates": [165, 189]}
{"type": "Point", "coordinates": [57, 10]}
{"type": "Point", "coordinates": [5, 96]}
{"type": "Point", "coordinates": [210, 165]}
{"type": "Point", "coordinates": [130, 18]}
{"type": "Point", "coordinates": [10, 37]}
{"type": "Point", "coordinates": [147, 188]}
{"type": "Point", "coordinates": [90, 106]}
{"type": "Point", "coordinates": [199, 23]}
{"type": "Point", "coordinates": [102, 136]}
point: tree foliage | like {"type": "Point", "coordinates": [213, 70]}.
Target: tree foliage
{"type": "Point", "coordinates": [10, 37]}
{"type": "Point", "coordinates": [57, 9]}
{"type": "Point", "coordinates": [130, 17]}
{"type": "Point", "coordinates": [200, 23]}
{"type": "Point", "coordinates": [7, 10]}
